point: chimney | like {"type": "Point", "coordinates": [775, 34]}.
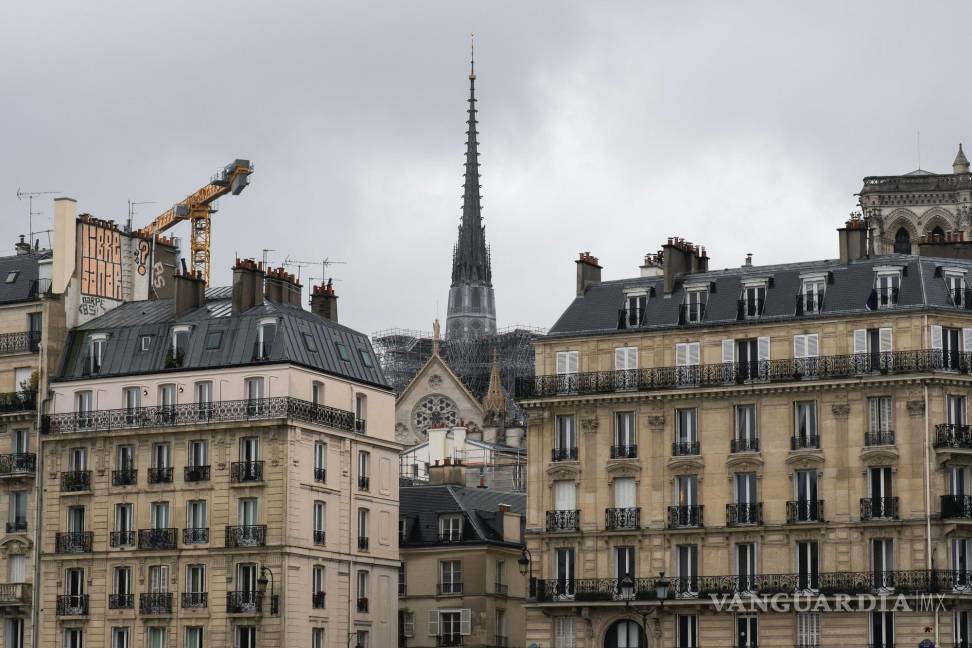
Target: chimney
{"type": "Point", "coordinates": [449, 472]}
{"type": "Point", "coordinates": [324, 302]}
{"type": "Point", "coordinates": [22, 246]}
{"type": "Point", "coordinates": [749, 260]}
{"type": "Point", "coordinates": [247, 285]}
{"type": "Point", "coordinates": [281, 287]}
{"type": "Point", "coordinates": [588, 272]}
{"type": "Point", "coordinates": [652, 267]}
{"type": "Point", "coordinates": [853, 239]}
{"type": "Point", "coordinates": [190, 291]}
{"type": "Point", "coordinates": [511, 523]}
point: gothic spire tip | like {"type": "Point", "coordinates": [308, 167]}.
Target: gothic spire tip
{"type": "Point", "coordinates": [472, 56]}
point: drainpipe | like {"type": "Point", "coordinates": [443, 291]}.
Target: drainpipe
{"type": "Point", "coordinates": [352, 520]}
{"type": "Point", "coordinates": [928, 541]}
{"type": "Point", "coordinates": [38, 518]}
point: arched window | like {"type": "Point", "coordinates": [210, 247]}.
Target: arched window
{"type": "Point", "coordinates": [938, 233]}
{"type": "Point", "coordinates": [624, 634]}
{"type": "Point", "coordinates": [902, 241]}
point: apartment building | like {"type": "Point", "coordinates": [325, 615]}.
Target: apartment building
{"type": "Point", "coordinates": [219, 470]}
{"type": "Point", "coordinates": [796, 432]}
{"type": "Point", "coordinates": [461, 548]}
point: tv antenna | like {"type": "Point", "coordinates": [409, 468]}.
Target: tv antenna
{"type": "Point", "coordinates": [326, 261]}
{"type": "Point", "coordinates": [131, 210]}
{"type": "Point", "coordinates": [30, 195]}
{"type": "Point", "coordinates": [265, 255]}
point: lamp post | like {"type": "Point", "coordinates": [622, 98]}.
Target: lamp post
{"type": "Point", "coordinates": [525, 563]}
{"type": "Point", "coordinates": [262, 584]}
{"type": "Point", "coordinates": [661, 593]}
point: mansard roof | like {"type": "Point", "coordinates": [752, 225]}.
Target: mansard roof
{"type": "Point", "coordinates": [302, 339]}
{"type": "Point", "coordinates": [848, 292]}
{"type": "Point", "coordinates": [421, 506]}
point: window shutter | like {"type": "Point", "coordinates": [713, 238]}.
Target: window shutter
{"type": "Point", "coordinates": [728, 350]}
{"type": "Point", "coordinates": [813, 345]}
{"type": "Point", "coordinates": [464, 622]}
{"type": "Point", "coordinates": [967, 340]}
{"type": "Point", "coordinates": [800, 346]}
{"type": "Point", "coordinates": [433, 623]}
{"type": "Point", "coordinates": [936, 336]}
{"type": "Point", "coordinates": [572, 358]}
{"type": "Point", "coordinates": [885, 339]}
{"type": "Point", "coordinates": [632, 358]}
{"type": "Point", "coordinates": [693, 353]}
{"type": "Point", "coordinates": [681, 355]}
{"type": "Point", "coordinates": [620, 358]}
{"type": "Point", "coordinates": [886, 423]}
{"type": "Point", "coordinates": [860, 341]}
{"type": "Point", "coordinates": [561, 362]}
{"type": "Point", "coordinates": [763, 348]}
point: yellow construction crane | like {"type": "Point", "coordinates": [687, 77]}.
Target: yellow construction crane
{"type": "Point", "coordinates": [197, 209]}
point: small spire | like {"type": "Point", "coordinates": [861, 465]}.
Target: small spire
{"type": "Point", "coordinates": [472, 56]}
{"type": "Point", "coordinates": [435, 337]}
{"type": "Point", "coordinates": [961, 163]}
{"type": "Point", "coordinates": [494, 402]}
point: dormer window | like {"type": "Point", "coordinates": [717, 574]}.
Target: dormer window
{"type": "Point", "coordinates": [693, 310]}
{"type": "Point", "coordinates": [178, 347]}
{"type": "Point", "coordinates": [450, 528]}
{"type": "Point", "coordinates": [955, 282]}
{"type": "Point", "coordinates": [753, 300]}
{"type": "Point", "coordinates": [266, 332]}
{"type": "Point", "coordinates": [886, 284]}
{"type": "Point", "coordinates": [811, 297]}
{"type": "Point", "coordinates": [96, 353]}
{"type": "Point", "coordinates": [633, 313]}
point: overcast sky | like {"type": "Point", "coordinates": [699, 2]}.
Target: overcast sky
{"type": "Point", "coordinates": [604, 126]}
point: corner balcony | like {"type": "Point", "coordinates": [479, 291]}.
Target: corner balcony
{"type": "Point", "coordinates": [254, 535]}
{"type": "Point", "coordinates": [953, 437]}
{"type": "Point", "coordinates": [750, 514]}
{"type": "Point", "coordinates": [956, 507]}
{"type": "Point", "coordinates": [784, 370]}
{"type": "Point", "coordinates": [18, 464]}
{"type": "Point", "coordinates": [73, 542]}
{"type": "Point", "coordinates": [685, 517]}
{"type": "Point", "coordinates": [157, 539]}
{"type": "Point", "coordinates": [801, 511]}
{"type": "Point", "coordinates": [563, 521]}
{"type": "Point", "coordinates": [186, 414]}
{"type": "Point", "coordinates": [879, 508]}
{"type": "Point", "coordinates": [622, 519]}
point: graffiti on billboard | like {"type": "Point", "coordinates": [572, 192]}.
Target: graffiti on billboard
{"type": "Point", "coordinates": [101, 261]}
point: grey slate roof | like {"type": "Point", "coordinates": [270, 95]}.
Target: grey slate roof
{"type": "Point", "coordinates": [126, 324]}
{"type": "Point", "coordinates": [420, 507]}
{"type": "Point", "coordinates": [847, 293]}
{"type": "Point", "coordinates": [24, 286]}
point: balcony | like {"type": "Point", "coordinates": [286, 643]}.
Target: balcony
{"type": "Point", "coordinates": [808, 303]}
{"type": "Point", "coordinates": [155, 603]}
{"type": "Point", "coordinates": [957, 507]}
{"type": "Point", "coordinates": [691, 313]}
{"type": "Point", "coordinates": [879, 438]}
{"type": "Point", "coordinates": [121, 539]}
{"type": "Point", "coordinates": [685, 448]}
{"type": "Point", "coordinates": [622, 519]}
{"type": "Point", "coordinates": [800, 511]}
{"type": "Point", "coordinates": [363, 543]}
{"type": "Point", "coordinates": [72, 605]}
{"type": "Point", "coordinates": [362, 605]}
{"type": "Point", "coordinates": [19, 525]}
{"type": "Point", "coordinates": [563, 521]}
{"type": "Point", "coordinates": [196, 473]}
{"type": "Point", "coordinates": [195, 535]}
{"type": "Point", "coordinates": [624, 452]}
{"type": "Point", "coordinates": [360, 426]}
{"type": "Point", "coordinates": [195, 600]}
{"type": "Point", "coordinates": [744, 445]}
{"type": "Point", "coordinates": [320, 475]}
{"type": "Point", "coordinates": [501, 589]}
{"type": "Point", "coordinates": [784, 370]}
{"type": "Point", "coordinates": [950, 435]}
{"type": "Point", "coordinates": [254, 535]}
{"type": "Point", "coordinates": [16, 593]}
{"type": "Point", "coordinates": [448, 589]}
{"type": "Point", "coordinates": [160, 475]}
{"type": "Point", "coordinates": [448, 641]}
{"type": "Point", "coordinates": [879, 508]}
{"type": "Point", "coordinates": [805, 442]}
{"type": "Point", "coordinates": [124, 477]}
{"type": "Point", "coordinates": [184, 414]}
{"type": "Point", "coordinates": [73, 542]}
{"type": "Point", "coordinates": [157, 538]}
{"type": "Point", "coordinates": [685, 517]}
{"type": "Point", "coordinates": [18, 464]}
{"type": "Point", "coordinates": [244, 602]}
{"type": "Point", "coordinates": [246, 471]}
{"type": "Point", "coordinates": [121, 601]}
{"type": "Point", "coordinates": [364, 483]}
{"type": "Point", "coordinates": [16, 402]}
{"type": "Point", "coordinates": [320, 537]}
{"type": "Point", "coordinates": [748, 514]}
{"type": "Point", "coordinates": [317, 600]}
{"type": "Point", "coordinates": [75, 481]}
{"type": "Point", "coordinates": [20, 342]}
{"type": "Point", "coordinates": [563, 454]}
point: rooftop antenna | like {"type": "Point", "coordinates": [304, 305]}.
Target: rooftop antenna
{"type": "Point", "coordinates": [30, 195]}
{"type": "Point", "coordinates": [131, 210]}
{"type": "Point", "coordinates": [918, 145]}
{"type": "Point", "coordinates": [265, 250]}
{"type": "Point", "coordinates": [326, 261]}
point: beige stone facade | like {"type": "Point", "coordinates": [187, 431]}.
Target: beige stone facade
{"type": "Point", "coordinates": [741, 521]}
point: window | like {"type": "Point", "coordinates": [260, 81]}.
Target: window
{"type": "Point", "coordinates": [500, 623]}
{"type": "Point", "coordinates": [309, 342]}
{"type": "Point", "coordinates": [366, 358]}
{"type": "Point", "coordinates": [247, 511]}
{"type": "Point", "coordinates": [179, 346]}
{"type": "Point", "coordinates": [213, 340]}
{"type": "Point", "coordinates": [882, 562]}
{"type": "Point", "coordinates": [96, 352]}
{"type": "Point", "coordinates": [955, 283]}
{"type": "Point", "coordinates": [342, 350]}
{"type": "Point", "coordinates": [624, 564]}
{"type": "Point", "coordinates": [951, 345]}
{"type": "Point", "coordinates": [133, 400]}
{"type": "Point", "coordinates": [14, 634]}
{"type": "Point", "coordinates": [625, 367]}
{"type": "Point", "coordinates": [564, 570]}
{"type": "Point", "coordinates": [694, 308]}
{"type": "Point", "coordinates": [364, 639]}
{"type": "Point", "coordinates": [752, 302]}
{"type": "Point", "coordinates": [198, 453]}
{"type": "Point", "coordinates": [246, 637]}
{"type": "Point", "coordinates": [808, 630]}
{"type": "Point", "coordinates": [882, 629]}
{"type": "Point", "coordinates": [565, 495]}
{"type": "Point", "coordinates": [633, 313]}
{"type": "Point", "coordinates": [565, 634]}
{"type": "Point", "coordinates": [318, 580]}
{"type": "Point", "coordinates": [167, 398]}
{"type": "Point", "coordinates": [254, 394]}
{"type": "Point", "coordinates": [156, 637]}
{"type": "Point", "coordinates": [318, 638]}
{"type": "Point", "coordinates": [11, 276]}
{"type": "Point", "coordinates": [805, 490]}
{"type": "Point", "coordinates": [124, 521]}
{"type": "Point", "coordinates": [196, 514]}
{"type": "Point", "coordinates": [450, 528]}
{"type": "Point", "coordinates": [119, 638]}
{"type": "Point", "coordinates": [194, 637]}
{"type": "Point", "coordinates": [881, 503]}
{"type": "Point", "coordinates": [317, 393]}
{"type": "Point", "coordinates": [805, 425]}
{"type": "Point", "coordinates": [565, 439]}
{"type": "Point", "coordinates": [746, 634]}
{"type": "Point", "coordinates": [872, 349]}
{"type": "Point", "coordinates": [812, 295]}
{"type": "Point", "coordinates": [161, 453]}
{"type": "Point", "coordinates": [687, 569]}
{"type": "Point", "coordinates": [687, 631]}
{"type": "Point", "coordinates": [360, 411]}
{"type": "Point", "coordinates": [625, 436]}
{"type": "Point", "coordinates": [145, 342]}
{"type": "Point", "coordinates": [879, 420]}
{"type": "Point", "coordinates": [195, 579]}
{"type": "Point", "coordinates": [73, 638]}
{"type": "Point", "coordinates": [745, 488]}
{"type": "Point", "coordinates": [362, 582]}
{"type": "Point", "coordinates": [746, 565]}
{"type": "Point", "coordinates": [406, 623]}
{"type": "Point", "coordinates": [122, 581]}
{"type": "Point", "coordinates": [17, 511]}
{"type": "Point", "coordinates": [449, 625]}
{"type": "Point", "coordinates": [159, 515]}
{"type": "Point", "coordinates": [746, 438]}
{"type": "Point", "coordinates": [75, 519]}
{"type": "Point", "coordinates": [83, 405]}
{"type": "Point", "coordinates": [364, 471]}
{"type": "Point", "coordinates": [363, 538]}
{"type": "Point", "coordinates": [78, 459]}
{"type": "Point", "coordinates": [320, 522]}
{"type": "Point", "coordinates": [806, 349]}
{"type": "Point", "coordinates": [249, 449]}
{"type": "Point", "coordinates": [16, 568]}
{"type": "Point", "coordinates": [266, 332]}
{"type": "Point", "coordinates": [204, 397]}
{"type": "Point", "coordinates": [687, 357]}
{"type": "Point", "coordinates": [450, 577]}
{"type": "Point", "coordinates": [566, 369]}
{"type": "Point", "coordinates": [686, 432]}
{"type": "Point", "coordinates": [21, 441]}
{"type": "Point", "coordinates": [886, 290]}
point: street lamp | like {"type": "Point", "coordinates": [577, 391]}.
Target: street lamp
{"type": "Point", "coordinates": [262, 584]}
{"type": "Point", "coordinates": [661, 593]}
{"type": "Point", "coordinates": [525, 563]}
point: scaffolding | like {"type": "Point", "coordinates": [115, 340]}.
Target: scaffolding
{"type": "Point", "coordinates": [402, 353]}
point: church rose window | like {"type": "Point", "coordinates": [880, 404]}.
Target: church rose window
{"type": "Point", "coordinates": [435, 410]}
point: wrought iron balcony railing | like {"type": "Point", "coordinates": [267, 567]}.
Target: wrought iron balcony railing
{"type": "Point", "coordinates": [702, 587]}
{"type": "Point", "coordinates": [454, 587]}
{"type": "Point", "coordinates": [882, 298]}
{"type": "Point", "coordinates": [957, 507]}
{"type": "Point", "coordinates": [21, 401]}
{"type": "Point", "coordinates": [729, 373]}
{"type": "Point", "coordinates": [448, 641]}
{"type": "Point", "coordinates": [961, 297]}
{"type": "Point", "coordinates": [157, 538]}
{"type": "Point", "coordinates": [75, 481]}
{"type": "Point", "coordinates": [685, 516]}
{"type": "Point", "coordinates": [747, 514]}
{"type": "Point", "coordinates": [318, 599]}
{"type": "Point", "coordinates": [320, 537]}
{"type": "Point", "coordinates": [563, 454]}
{"type": "Point", "coordinates": [246, 471]}
{"type": "Point", "coordinates": [72, 605]}
{"type": "Point", "coordinates": [192, 414]}
{"type": "Point", "coordinates": [320, 475]}
{"type": "Point", "coordinates": [501, 588]}
{"type": "Point", "coordinates": [950, 435]}
{"type": "Point", "coordinates": [195, 535]}
{"type": "Point", "coordinates": [124, 477]}
{"type": "Point", "coordinates": [242, 602]}
{"type": "Point", "coordinates": [18, 463]}
{"type": "Point", "coordinates": [683, 448]}
{"type": "Point", "coordinates": [73, 542]}
{"type": "Point", "coordinates": [121, 539]}
{"type": "Point", "coordinates": [196, 473]}
{"type": "Point", "coordinates": [742, 444]}
{"type": "Point", "coordinates": [362, 604]}
{"type": "Point", "coordinates": [617, 519]}
{"type": "Point", "coordinates": [121, 601]}
{"type": "Point", "coordinates": [563, 521]}
{"type": "Point", "coordinates": [160, 475]}
{"type": "Point", "coordinates": [805, 442]}
{"type": "Point", "coordinates": [807, 303]}
{"type": "Point", "coordinates": [746, 309]}
{"type": "Point", "coordinates": [624, 452]}
{"type": "Point", "coordinates": [195, 600]}
{"type": "Point", "coordinates": [254, 535]}
{"type": "Point", "coordinates": [363, 543]}
{"type": "Point", "coordinates": [879, 438]}
{"type": "Point", "coordinates": [451, 536]}
{"type": "Point", "coordinates": [804, 511]}
{"type": "Point", "coordinates": [155, 603]}
{"type": "Point", "coordinates": [691, 313]}
{"type": "Point", "coordinates": [879, 508]}
{"type": "Point", "coordinates": [364, 483]}
{"type": "Point", "coordinates": [20, 342]}
{"type": "Point", "coordinates": [19, 525]}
